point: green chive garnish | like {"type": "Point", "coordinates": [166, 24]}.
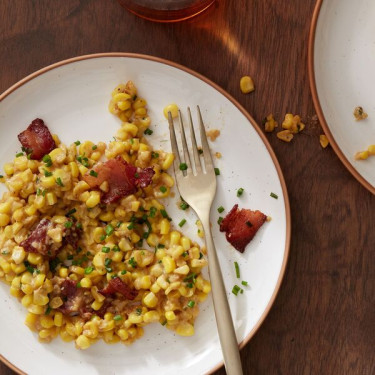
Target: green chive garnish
{"type": "Point", "coordinates": [68, 224]}
{"type": "Point", "coordinates": [191, 304]}
{"type": "Point", "coordinates": [154, 155]}
{"type": "Point", "coordinates": [217, 171]}
{"type": "Point", "coordinates": [245, 283]}
{"type": "Point", "coordinates": [220, 209]}
{"type": "Point", "coordinates": [88, 270]}
{"type": "Point", "coordinates": [71, 212]}
{"type": "Point", "coordinates": [47, 173]}
{"type": "Point", "coordinates": [219, 220]}
{"type": "Point", "coordinates": [236, 289]}
{"type": "Point", "coordinates": [133, 262]}
{"type": "Point", "coordinates": [123, 272]}
{"type": "Point", "coordinates": [130, 226]}
{"type": "Point", "coordinates": [148, 131]}
{"type": "Point", "coordinates": [183, 167]}
{"type": "Point", "coordinates": [94, 147]}
{"type": "Point", "coordinates": [77, 143]}
{"type": "Point", "coordinates": [184, 206]}
{"type": "Point", "coordinates": [237, 267]}
{"type": "Point", "coordinates": [181, 223]}
{"type": "Point", "coordinates": [163, 189]}
{"type": "Point", "coordinates": [273, 195]}
{"type": "Point", "coordinates": [48, 310]}
{"type": "Point", "coordinates": [117, 318]}
{"type": "Point", "coordinates": [93, 173]}
{"type": "Point", "coordinates": [105, 249]}
{"type": "Point", "coordinates": [19, 154]}
{"type": "Point", "coordinates": [164, 323]}
{"type": "Point", "coordinates": [115, 249]}
{"type": "Point", "coordinates": [47, 160]}
{"type": "Point", "coordinates": [109, 229]}
{"type": "Point", "coordinates": [152, 212]}
{"type": "Point", "coordinates": [59, 182]}
{"type": "Point", "coordinates": [107, 262]}
{"type": "Point", "coordinates": [240, 192]}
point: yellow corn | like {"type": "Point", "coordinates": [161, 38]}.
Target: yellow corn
{"type": "Point", "coordinates": [58, 319]}
{"type": "Point", "coordinates": [362, 155]}
{"type": "Point", "coordinates": [285, 135]}
{"type": "Point", "coordinates": [171, 108]}
{"type": "Point", "coordinates": [246, 84]}
{"type": "Point", "coordinates": [185, 329]}
{"type": "Point", "coordinates": [324, 141]}
{"type": "Point", "coordinates": [150, 300]}
{"type": "Point", "coordinates": [83, 342]}
{"type": "Point", "coordinates": [93, 200]}
{"type": "Point", "coordinates": [4, 220]}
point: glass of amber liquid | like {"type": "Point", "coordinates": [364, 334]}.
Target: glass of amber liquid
{"type": "Point", "coordinates": [166, 10]}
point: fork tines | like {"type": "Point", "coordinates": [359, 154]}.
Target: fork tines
{"type": "Point", "coordinates": [190, 161]}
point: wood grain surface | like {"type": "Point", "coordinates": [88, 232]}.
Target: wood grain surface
{"type": "Point", "coordinates": [323, 320]}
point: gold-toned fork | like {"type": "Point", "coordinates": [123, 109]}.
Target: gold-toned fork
{"type": "Point", "coordinates": [196, 182]}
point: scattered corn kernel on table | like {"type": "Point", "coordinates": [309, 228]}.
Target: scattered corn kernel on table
{"type": "Point", "coordinates": [323, 319]}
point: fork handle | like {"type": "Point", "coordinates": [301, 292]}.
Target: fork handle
{"type": "Point", "coordinates": [227, 334]}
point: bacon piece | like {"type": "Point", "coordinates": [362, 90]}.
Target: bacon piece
{"type": "Point", "coordinates": [123, 178]}
{"type": "Point", "coordinates": [117, 285]}
{"type": "Point", "coordinates": [38, 241]}
{"type": "Point", "coordinates": [73, 297]}
{"type": "Point", "coordinates": [37, 139]}
{"type": "Point", "coordinates": [72, 236]}
{"type": "Point", "coordinates": [240, 226]}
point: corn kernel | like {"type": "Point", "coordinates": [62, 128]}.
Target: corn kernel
{"type": "Point", "coordinates": [8, 168]}
{"type": "Point", "coordinates": [93, 200]}
{"type": "Point", "coordinates": [164, 226]}
{"type": "Point", "coordinates": [185, 329]}
{"type": "Point", "coordinates": [48, 182]}
{"type": "Point", "coordinates": [46, 321]}
{"type": "Point", "coordinates": [362, 155]}
{"type": "Point", "coordinates": [285, 135]}
{"type": "Point", "coordinates": [27, 300]}
{"type": "Point", "coordinates": [324, 141]}
{"type": "Point", "coordinates": [83, 342]}
{"type": "Point", "coordinates": [51, 198]}
{"type": "Point", "coordinates": [169, 264]}
{"type": "Point", "coordinates": [371, 149]}
{"type": "Point", "coordinates": [151, 316]}
{"type": "Point", "coordinates": [5, 208]}
{"type": "Point", "coordinates": [4, 220]}
{"type": "Point", "coordinates": [170, 315]}
{"type": "Point", "coordinates": [123, 334]}
{"type": "Point", "coordinates": [58, 319]}
{"type": "Point", "coordinates": [35, 259]}
{"type": "Point", "coordinates": [86, 282]}
{"type": "Point", "coordinates": [246, 84]}
{"type": "Point", "coordinates": [150, 300]}
{"type": "Point", "coordinates": [171, 108]}
{"type": "Point", "coordinates": [167, 161]}
{"type": "Point", "coordinates": [74, 169]}
{"type": "Point", "coordinates": [135, 319]}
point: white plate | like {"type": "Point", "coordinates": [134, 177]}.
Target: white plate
{"type": "Point", "coordinates": [72, 98]}
{"type": "Point", "coordinates": [342, 58]}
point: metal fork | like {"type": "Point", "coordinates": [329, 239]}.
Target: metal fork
{"type": "Point", "coordinates": [197, 186]}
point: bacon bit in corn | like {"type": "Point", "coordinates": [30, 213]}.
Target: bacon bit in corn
{"type": "Point", "coordinates": [270, 124]}
{"type": "Point", "coordinates": [285, 135]}
{"type": "Point", "coordinates": [324, 142]}
{"type": "Point", "coordinates": [246, 84]}
{"type": "Point", "coordinates": [213, 134]}
{"type": "Point", "coordinates": [359, 113]}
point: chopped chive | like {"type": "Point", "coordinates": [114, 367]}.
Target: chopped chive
{"type": "Point", "coordinates": [94, 147]}
{"type": "Point", "coordinates": [105, 249]}
{"type": "Point", "coordinates": [115, 249]}
{"type": "Point", "coordinates": [217, 171]}
{"type": "Point", "coordinates": [69, 257]}
{"type": "Point", "coordinates": [164, 213]}
{"type": "Point", "coordinates": [107, 262]}
{"type": "Point", "coordinates": [93, 173]}
{"type": "Point", "coordinates": [71, 212]}
{"type": "Point", "coordinates": [241, 291]}
{"type": "Point", "coordinates": [123, 272]}
{"type": "Point", "coordinates": [47, 160]}
{"type": "Point", "coordinates": [273, 195]}
{"type": "Point", "coordinates": [154, 155]}
{"type": "Point", "coordinates": [118, 225]}
{"type": "Point", "coordinates": [68, 224]}
{"type": "Point", "coordinates": [133, 262]}
{"type": "Point", "coordinates": [88, 270]}
{"type": "Point", "coordinates": [182, 223]}
{"type": "Point", "coordinates": [236, 289]}
{"type": "Point", "coordinates": [184, 206]}
{"type": "Point", "coordinates": [200, 151]}
{"type": "Point", "coordinates": [163, 189]}
{"type": "Point", "coordinates": [220, 209]}
{"type": "Point", "coordinates": [130, 226]}
{"type": "Point", "coordinates": [117, 318]}
{"type": "Point", "coordinates": [219, 220]}
{"type": "Point", "coordinates": [245, 283]}
{"type": "Point", "coordinates": [1, 176]}
{"type": "Point", "coordinates": [19, 154]}
{"type": "Point", "coordinates": [237, 267]}
{"type": "Point", "coordinates": [131, 140]}
{"type": "Point", "coordinates": [48, 310]}
{"type": "Point", "coordinates": [161, 246]}
{"type": "Point", "coordinates": [164, 323]}
{"type": "Point", "coordinates": [109, 229]}
{"type": "Point", "coordinates": [38, 191]}
{"type": "Point", "coordinates": [191, 277]}
{"type": "Point", "coordinates": [77, 143]}
{"type": "Point", "coordinates": [152, 211]}
{"type": "Point", "coordinates": [185, 254]}
{"type": "Point", "coordinates": [240, 192]}
{"type": "Point", "coordinates": [138, 311]}
{"type": "Point", "coordinates": [47, 173]}
{"type": "Point", "coordinates": [200, 255]}
{"type": "Point", "coordinates": [183, 167]}
{"type": "Point", "coordinates": [249, 224]}
{"type": "Point", "coordinates": [59, 182]}
{"type": "Point", "coordinates": [103, 237]}
{"type": "Point", "coordinates": [191, 304]}
{"type": "Point", "coordinates": [44, 193]}
{"type": "Point", "coordinates": [79, 225]}
{"type": "Point", "coordinates": [190, 285]}
{"type": "Point", "coordinates": [78, 285]}
{"type": "Point", "coordinates": [148, 131]}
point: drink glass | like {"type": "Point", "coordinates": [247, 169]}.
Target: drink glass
{"type": "Point", "coordinates": [166, 10]}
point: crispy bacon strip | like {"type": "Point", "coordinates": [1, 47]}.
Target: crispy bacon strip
{"type": "Point", "coordinates": [240, 226]}
{"type": "Point", "coordinates": [123, 178]}
{"type": "Point", "coordinates": [117, 285]}
{"type": "Point", "coordinates": [37, 139]}
{"type": "Point", "coordinates": [38, 241]}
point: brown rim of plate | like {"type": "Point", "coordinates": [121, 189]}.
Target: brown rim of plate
{"type": "Point", "coordinates": [242, 110]}
{"type": "Point", "coordinates": [318, 108]}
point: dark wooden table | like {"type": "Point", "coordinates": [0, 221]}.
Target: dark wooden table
{"type": "Point", "coordinates": [323, 320]}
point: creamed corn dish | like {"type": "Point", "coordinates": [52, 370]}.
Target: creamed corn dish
{"type": "Point", "coordinates": [86, 243]}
